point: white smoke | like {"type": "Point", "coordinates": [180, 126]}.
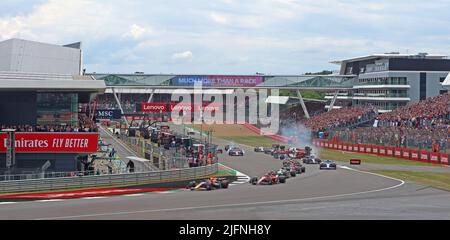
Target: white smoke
{"type": "Point", "coordinates": [299, 133]}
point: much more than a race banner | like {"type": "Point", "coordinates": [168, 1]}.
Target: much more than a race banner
{"type": "Point", "coordinates": [218, 81]}
{"type": "Point", "coordinates": [53, 142]}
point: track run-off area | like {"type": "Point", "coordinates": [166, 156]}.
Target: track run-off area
{"type": "Point", "coordinates": [318, 194]}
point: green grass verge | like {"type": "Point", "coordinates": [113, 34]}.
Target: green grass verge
{"type": "Point", "coordinates": [436, 180]}
{"type": "Point", "coordinates": [254, 141]}
{"type": "Point", "coordinates": [368, 158]}
{"type": "Point", "coordinates": [226, 173]}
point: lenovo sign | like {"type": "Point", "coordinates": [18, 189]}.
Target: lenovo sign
{"type": "Point", "coordinates": [107, 114]}
{"type": "Point", "coordinates": [154, 107]}
{"type": "Point", "coordinates": [52, 142]}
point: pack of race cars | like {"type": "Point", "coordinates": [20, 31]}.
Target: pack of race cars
{"type": "Point", "coordinates": [290, 168]}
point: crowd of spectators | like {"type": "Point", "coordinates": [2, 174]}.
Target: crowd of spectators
{"type": "Point", "coordinates": [85, 124]}
{"type": "Point", "coordinates": [431, 112]}
{"type": "Point", "coordinates": [338, 118]}
{"type": "Point", "coordinates": [422, 125]}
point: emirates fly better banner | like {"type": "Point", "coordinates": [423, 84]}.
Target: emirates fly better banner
{"type": "Point", "coordinates": [53, 142]}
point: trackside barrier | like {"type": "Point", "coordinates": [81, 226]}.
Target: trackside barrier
{"type": "Point", "coordinates": [405, 153]}
{"type": "Point", "coordinates": [424, 156]}
{"type": "Point", "coordinates": [375, 149]}
{"type": "Point", "coordinates": [382, 151]}
{"type": "Point", "coordinates": [434, 157]}
{"type": "Point", "coordinates": [398, 152]}
{"type": "Point", "coordinates": [368, 149]}
{"type": "Point", "coordinates": [415, 155]}
{"type": "Point", "coordinates": [444, 159]}
{"type": "Point", "coordinates": [46, 184]}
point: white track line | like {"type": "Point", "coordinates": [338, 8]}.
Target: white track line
{"type": "Point", "coordinates": [50, 200]}
{"type": "Point", "coordinates": [89, 198]}
{"type": "Point", "coordinates": [287, 201]}
{"type": "Point", "coordinates": [4, 203]}
{"type": "Point", "coordinates": [134, 195]}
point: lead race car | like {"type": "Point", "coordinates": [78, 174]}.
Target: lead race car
{"type": "Point", "coordinates": [268, 179]}
{"type": "Point", "coordinates": [236, 151]}
{"type": "Point", "coordinates": [208, 184]}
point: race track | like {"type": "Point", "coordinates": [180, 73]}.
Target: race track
{"type": "Point", "coordinates": [340, 194]}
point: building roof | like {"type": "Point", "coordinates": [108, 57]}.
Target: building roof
{"type": "Point", "coordinates": [392, 55]}
{"type": "Point", "coordinates": [41, 81]}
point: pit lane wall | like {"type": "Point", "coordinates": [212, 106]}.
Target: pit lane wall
{"type": "Point", "coordinates": [275, 137]}
{"type": "Point", "coordinates": [388, 151]}
{"type": "Point", "coordinates": [112, 180]}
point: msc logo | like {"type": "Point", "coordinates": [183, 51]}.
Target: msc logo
{"type": "Point", "coordinates": [107, 114]}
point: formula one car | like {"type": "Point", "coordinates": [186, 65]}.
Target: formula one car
{"type": "Point", "coordinates": [268, 179]}
{"type": "Point", "coordinates": [311, 160]}
{"type": "Point", "coordinates": [327, 164]}
{"type": "Point", "coordinates": [259, 149]}
{"type": "Point", "coordinates": [295, 165]}
{"type": "Point", "coordinates": [208, 184]}
{"type": "Point", "coordinates": [235, 151]}
{"type": "Point", "coordinates": [287, 172]}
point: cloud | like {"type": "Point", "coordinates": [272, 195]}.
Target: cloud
{"type": "Point", "coordinates": [218, 18]}
{"type": "Point", "coordinates": [182, 55]}
{"type": "Point", "coordinates": [137, 31]}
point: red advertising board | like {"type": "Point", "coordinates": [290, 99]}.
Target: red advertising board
{"type": "Point", "coordinates": [368, 149]}
{"type": "Point", "coordinates": [355, 147]}
{"type": "Point", "coordinates": [415, 155]}
{"type": "Point", "coordinates": [327, 144]}
{"type": "Point", "coordinates": [405, 153]}
{"type": "Point", "coordinates": [398, 152]}
{"type": "Point", "coordinates": [375, 149]}
{"type": "Point", "coordinates": [53, 142]}
{"type": "Point", "coordinates": [361, 148]}
{"type": "Point", "coordinates": [444, 159]}
{"type": "Point", "coordinates": [340, 146]}
{"type": "Point", "coordinates": [390, 151]}
{"type": "Point", "coordinates": [345, 146]}
{"type": "Point", "coordinates": [350, 147]}
{"type": "Point", "coordinates": [322, 143]}
{"type": "Point", "coordinates": [434, 157]}
{"type": "Point", "coordinates": [424, 156]}
{"type": "Point", "coordinates": [382, 151]}
{"type": "Point", "coordinates": [154, 107]}
{"type": "Point", "coordinates": [335, 146]}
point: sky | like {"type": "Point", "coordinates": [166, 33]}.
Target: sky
{"type": "Point", "coordinates": [229, 36]}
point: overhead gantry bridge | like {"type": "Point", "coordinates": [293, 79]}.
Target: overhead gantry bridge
{"type": "Point", "coordinates": [151, 84]}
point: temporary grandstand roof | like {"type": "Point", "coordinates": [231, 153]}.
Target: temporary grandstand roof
{"type": "Point", "coordinates": [277, 99]}
{"type": "Point", "coordinates": [10, 81]}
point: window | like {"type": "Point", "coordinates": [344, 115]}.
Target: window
{"type": "Point", "coordinates": [442, 79]}
{"type": "Point", "coordinates": [443, 92]}
{"type": "Point", "coordinates": [423, 86]}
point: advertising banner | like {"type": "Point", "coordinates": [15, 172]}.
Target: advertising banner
{"type": "Point", "coordinates": [444, 159]}
{"type": "Point", "coordinates": [218, 81]}
{"type": "Point", "coordinates": [355, 148]}
{"type": "Point", "coordinates": [424, 156]}
{"type": "Point", "coordinates": [415, 155]}
{"type": "Point", "coordinates": [53, 142]}
{"type": "Point", "coordinates": [361, 148]}
{"type": "Point", "coordinates": [368, 149]}
{"type": "Point", "coordinates": [350, 147]}
{"type": "Point", "coordinates": [375, 149]}
{"type": "Point", "coordinates": [153, 107]}
{"type": "Point", "coordinates": [390, 151]}
{"type": "Point", "coordinates": [340, 146]}
{"type": "Point", "coordinates": [108, 114]}
{"type": "Point", "coordinates": [335, 146]}
{"type": "Point", "coordinates": [327, 144]}
{"type": "Point", "coordinates": [398, 152]}
{"type": "Point", "coordinates": [345, 146]}
{"type": "Point", "coordinates": [405, 153]}
{"type": "Point", "coordinates": [382, 151]}
{"type": "Point", "coordinates": [434, 157]}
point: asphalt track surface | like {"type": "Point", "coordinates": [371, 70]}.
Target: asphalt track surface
{"type": "Point", "coordinates": [326, 194]}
